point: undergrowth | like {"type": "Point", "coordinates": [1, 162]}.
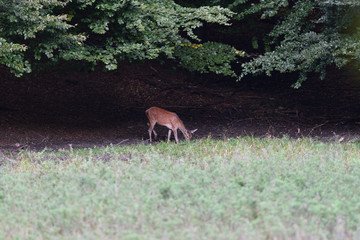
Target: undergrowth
{"type": "Point", "coordinates": [244, 188]}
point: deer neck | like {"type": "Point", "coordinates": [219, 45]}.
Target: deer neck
{"type": "Point", "coordinates": [182, 127]}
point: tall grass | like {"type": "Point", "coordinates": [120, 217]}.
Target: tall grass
{"type": "Point", "coordinates": [245, 188]}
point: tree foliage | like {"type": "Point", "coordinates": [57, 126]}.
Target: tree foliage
{"type": "Point", "coordinates": [31, 29]}
{"type": "Point", "coordinates": [302, 36]}
{"type": "Point", "coordinates": [308, 36]}
{"type": "Point", "coordinates": [208, 57]}
{"type": "Point", "coordinates": [105, 31]}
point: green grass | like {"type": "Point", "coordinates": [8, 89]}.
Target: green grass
{"type": "Point", "coordinates": [244, 188]}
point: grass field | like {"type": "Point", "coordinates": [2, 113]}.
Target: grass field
{"type": "Point", "coordinates": [245, 188]}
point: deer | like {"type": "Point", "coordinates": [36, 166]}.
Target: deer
{"type": "Point", "coordinates": [168, 119]}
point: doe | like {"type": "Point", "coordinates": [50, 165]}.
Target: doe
{"type": "Point", "coordinates": [169, 120]}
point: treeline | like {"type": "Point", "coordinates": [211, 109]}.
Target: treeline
{"type": "Point", "coordinates": [301, 36]}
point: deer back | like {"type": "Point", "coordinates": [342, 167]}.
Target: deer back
{"type": "Point", "coordinates": [165, 118]}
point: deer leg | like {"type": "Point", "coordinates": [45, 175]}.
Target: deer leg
{"type": "Point", "coordinates": [155, 134]}
{"type": "Point", "coordinates": [169, 135]}
{"type": "Point", "coordinates": [176, 136]}
{"type": "Point", "coordinates": [151, 128]}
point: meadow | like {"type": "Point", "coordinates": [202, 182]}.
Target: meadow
{"type": "Point", "coordinates": [241, 188]}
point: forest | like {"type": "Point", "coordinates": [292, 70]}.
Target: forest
{"type": "Point", "coordinates": [285, 67]}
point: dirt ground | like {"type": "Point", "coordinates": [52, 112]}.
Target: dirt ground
{"type": "Point", "coordinates": [74, 108]}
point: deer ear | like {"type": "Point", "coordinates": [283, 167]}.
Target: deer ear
{"type": "Point", "coordinates": [192, 131]}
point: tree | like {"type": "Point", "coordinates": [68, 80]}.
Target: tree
{"type": "Point", "coordinates": [97, 31]}
{"type": "Point", "coordinates": [31, 29]}
{"type": "Point", "coordinates": [308, 36]}
{"type": "Point", "coordinates": [302, 36]}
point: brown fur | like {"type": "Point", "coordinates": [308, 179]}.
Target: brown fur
{"type": "Point", "coordinates": [168, 119]}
